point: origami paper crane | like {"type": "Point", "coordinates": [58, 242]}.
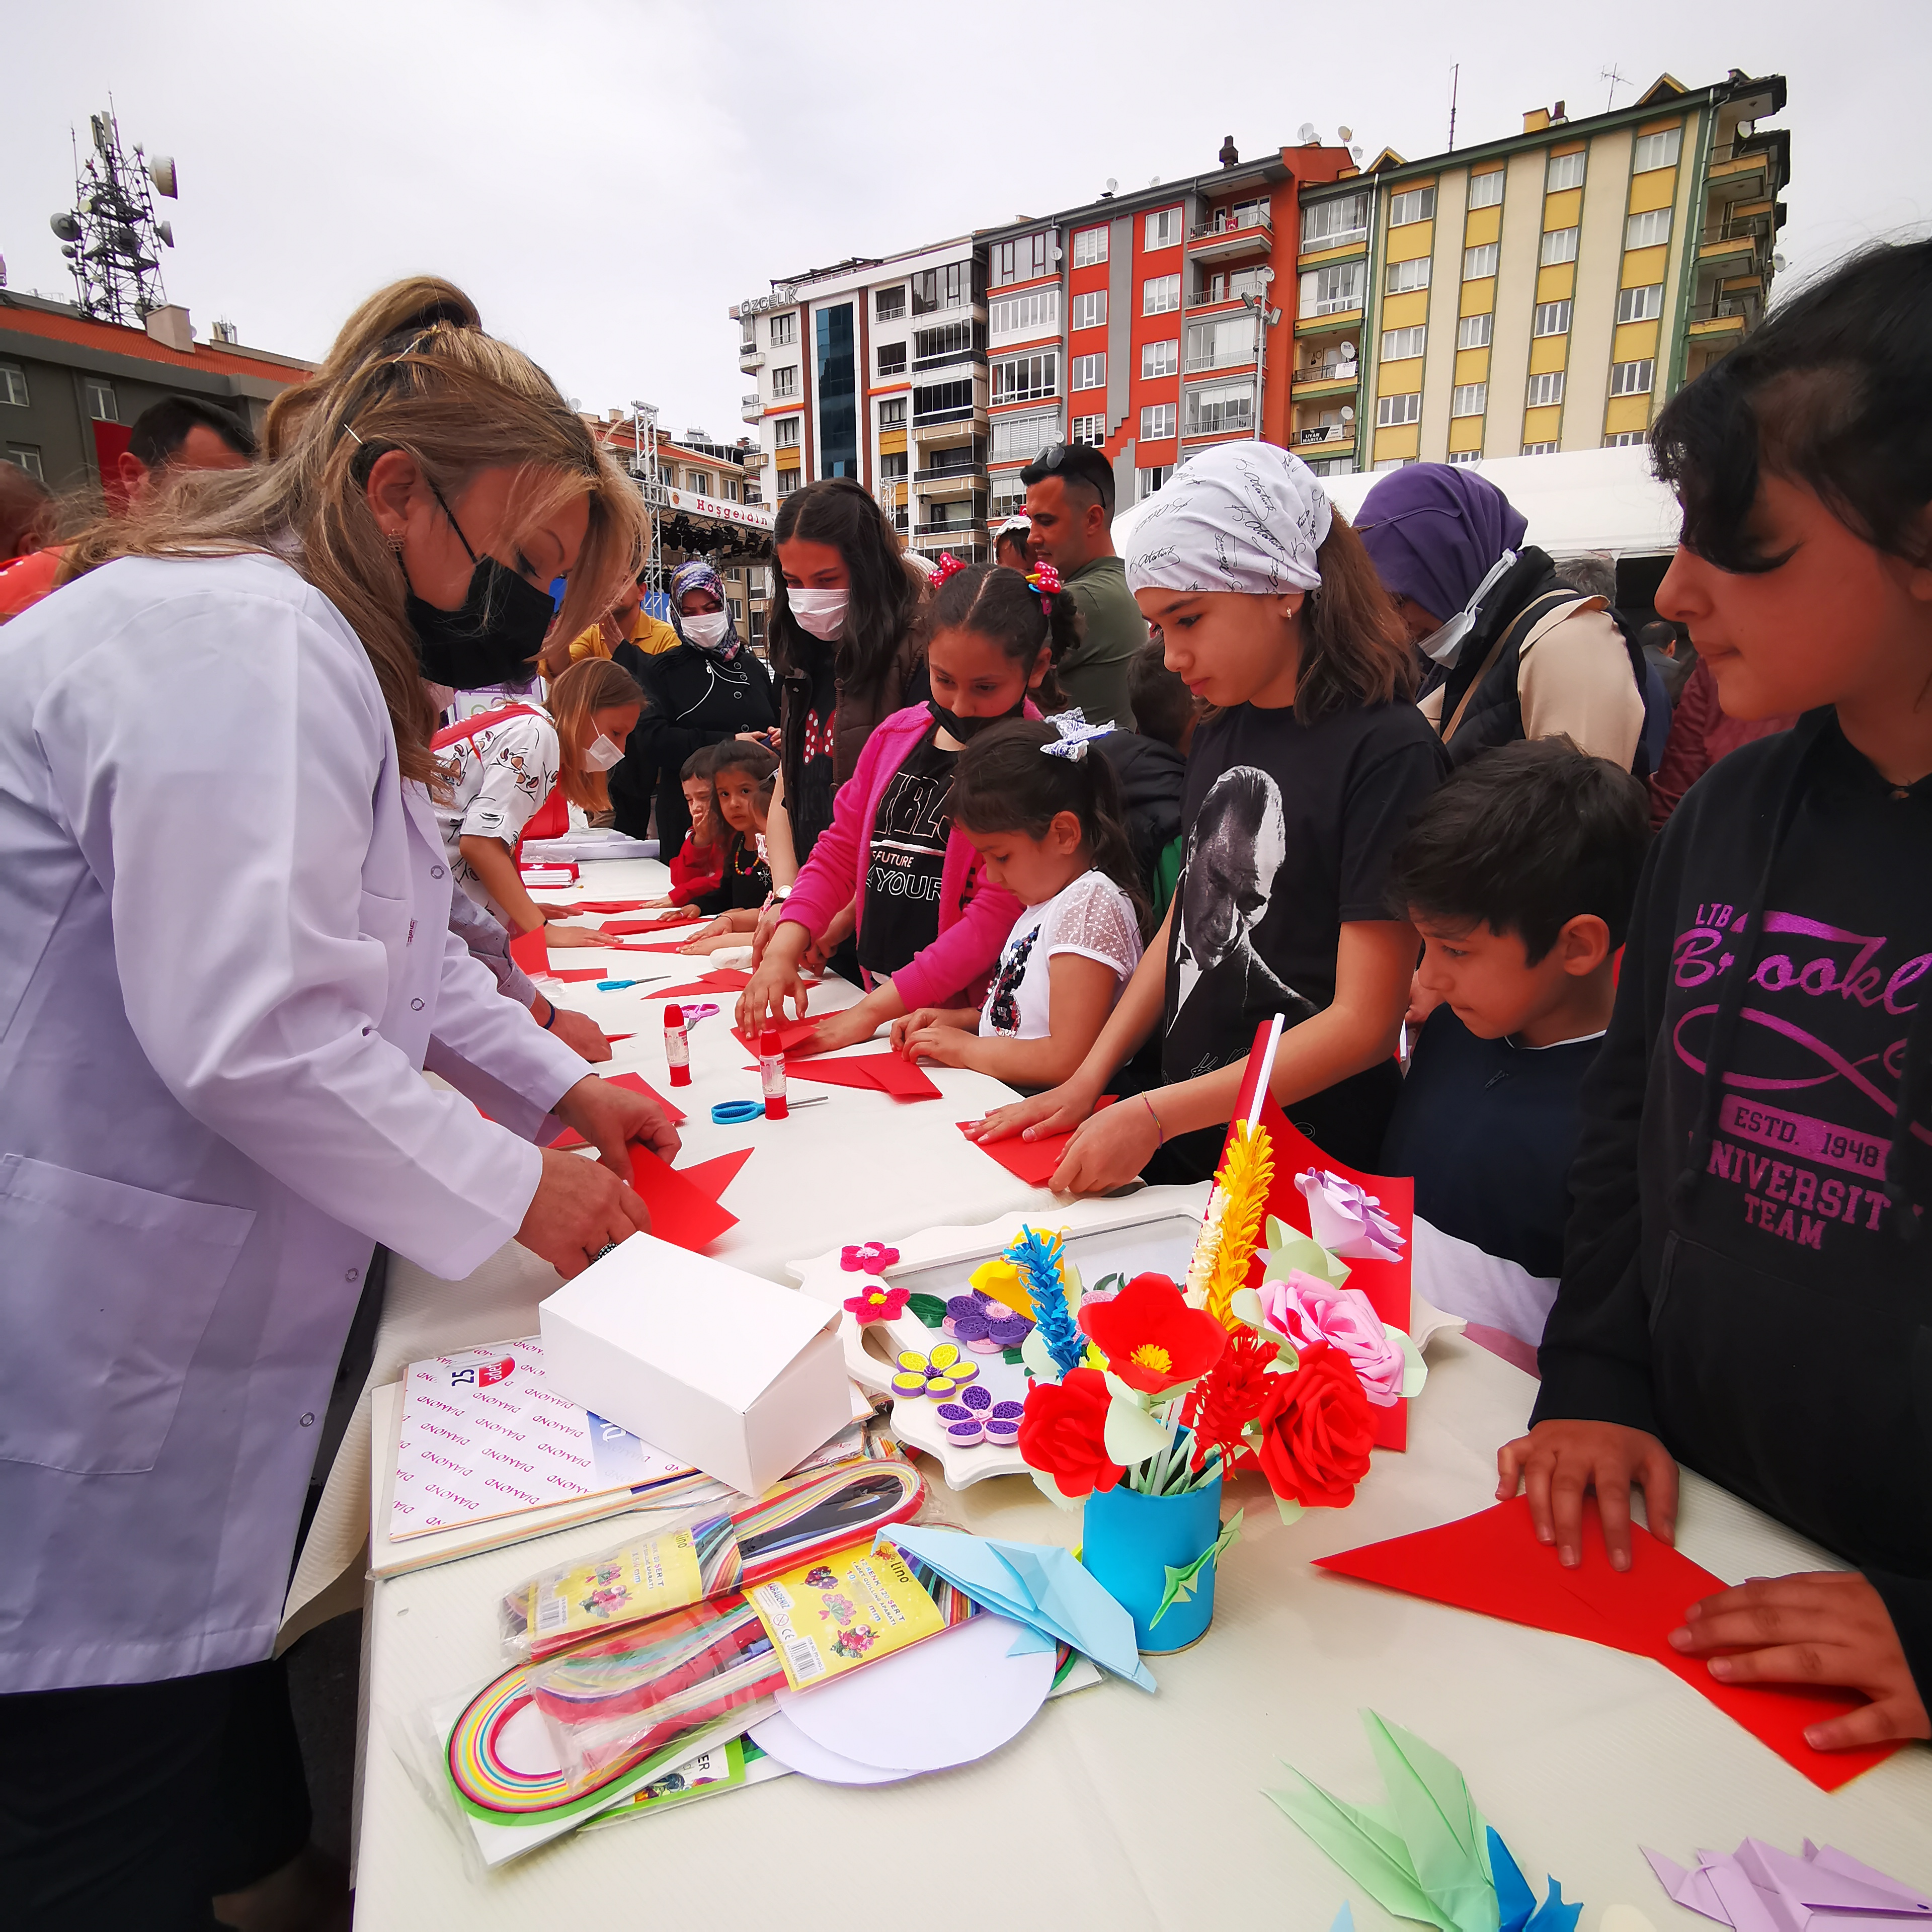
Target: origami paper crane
{"type": "Point", "coordinates": [1760, 1888]}
{"type": "Point", "coordinates": [1430, 1856]}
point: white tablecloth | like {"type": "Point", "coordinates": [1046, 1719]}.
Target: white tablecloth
{"type": "Point", "coordinates": [862, 1166]}
{"type": "Point", "coordinates": [1119, 1809]}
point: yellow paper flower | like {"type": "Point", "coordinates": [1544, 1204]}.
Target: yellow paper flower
{"type": "Point", "coordinates": [1002, 1281]}
{"type": "Point", "coordinates": [937, 1374]}
{"type": "Point", "coordinates": [1247, 1169]}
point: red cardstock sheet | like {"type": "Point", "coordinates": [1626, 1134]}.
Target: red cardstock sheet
{"type": "Point", "coordinates": [573, 975]}
{"type": "Point", "coordinates": [790, 1033]}
{"type": "Point", "coordinates": [530, 952]}
{"type": "Point", "coordinates": [721, 980]}
{"type": "Point", "coordinates": [620, 928]}
{"type": "Point", "coordinates": [1034, 1162]}
{"type": "Point", "coordinates": [607, 905]}
{"type": "Point", "coordinates": [682, 1210]}
{"type": "Point", "coordinates": [883, 1073]}
{"type": "Point", "coordinates": [1492, 1562]}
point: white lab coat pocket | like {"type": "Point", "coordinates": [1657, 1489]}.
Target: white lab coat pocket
{"type": "Point", "coordinates": [108, 1289]}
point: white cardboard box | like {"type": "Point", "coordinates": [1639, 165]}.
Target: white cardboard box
{"type": "Point", "coordinates": [712, 1365]}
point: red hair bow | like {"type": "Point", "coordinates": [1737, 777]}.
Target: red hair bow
{"type": "Point", "coordinates": [948, 565]}
{"type": "Point", "coordinates": [1045, 582]}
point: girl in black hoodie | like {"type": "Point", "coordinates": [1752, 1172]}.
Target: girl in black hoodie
{"type": "Point", "coordinates": [1747, 1277]}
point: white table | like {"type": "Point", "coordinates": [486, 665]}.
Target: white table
{"type": "Point", "coordinates": [863, 1166]}
{"type": "Point", "coordinates": [1119, 1809]}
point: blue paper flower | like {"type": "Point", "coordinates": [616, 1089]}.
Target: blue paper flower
{"type": "Point", "coordinates": [1037, 1257]}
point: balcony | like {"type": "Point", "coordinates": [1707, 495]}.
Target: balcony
{"type": "Point", "coordinates": [755, 458]}
{"type": "Point", "coordinates": [956, 485]}
{"type": "Point", "coordinates": [1212, 423]}
{"type": "Point", "coordinates": [973, 464]}
{"type": "Point", "coordinates": [1219, 359]}
{"type": "Point", "coordinates": [1338, 375]}
{"type": "Point", "coordinates": [752, 407]}
{"type": "Point", "coordinates": [964, 527]}
{"type": "Point", "coordinates": [1335, 435]}
{"type": "Point", "coordinates": [751, 358]}
{"type": "Point", "coordinates": [1228, 239]}
{"type": "Point", "coordinates": [1728, 315]}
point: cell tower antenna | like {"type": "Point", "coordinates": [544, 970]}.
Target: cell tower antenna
{"type": "Point", "coordinates": [111, 237]}
{"type": "Point", "coordinates": [1455, 82]}
{"type": "Point", "coordinates": [1616, 81]}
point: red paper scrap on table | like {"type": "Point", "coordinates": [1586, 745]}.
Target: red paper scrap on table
{"type": "Point", "coordinates": [529, 952]}
{"type": "Point", "coordinates": [1034, 1162]}
{"type": "Point", "coordinates": [883, 1073]}
{"type": "Point", "coordinates": [607, 905]}
{"type": "Point", "coordinates": [611, 1039]}
{"type": "Point", "coordinates": [1492, 1562]}
{"type": "Point", "coordinates": [712, 1177]}
{"type": "Point", "coordinates": [636, 1082]}
{"type": "Point", "coordinates": [676, 946]}
{"type": "Point", "coordinates": [571, 975]}
{"type": "Point", "coordinates": [1385, 1283]}
{"type": "Point", "coordinates": [790, 1033]}
{"type": "Point", "coordinates": [682, 1211]}
{"type": "Point", "coordinates": [722, 980]}
{"type": "Point", "coordinates": [620, 928]}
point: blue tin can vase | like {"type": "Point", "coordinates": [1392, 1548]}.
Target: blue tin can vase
{"type": "Point", "coordinates": [1130, 1541]}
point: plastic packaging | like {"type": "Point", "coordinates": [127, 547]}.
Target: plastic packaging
{"type": "Point", "coordinates": [772, 1071]}
{"type": "Point", "coordinates": [677, 1047]}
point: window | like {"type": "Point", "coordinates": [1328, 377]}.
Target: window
{"type": "Point", "coordinates": [1643, 305]}
{"type": "Point", "coordinates": [1090, 310]}
{"type": "Point", "coordinates": [784, 431]}
{"type": "Point", "coordinates": [891, 415]}
{"type": "Point", "coordinates": [1016, 317]}
{"type": "Point", "coordinates": [889, 304]}
{"type": "Point", "coordinates": [1552, 318]}
{"type": "Point", "coordinates": [733, 488]}
{"type": "Point", "coordinates": [1328, 224]}
{"type": "Point", "coordinates": [1625, 439]}
{"type": "Point", "coordinates": [1466, 456]}
{"type": "Point", "coordinates": [892, 465]}
{"type": "Point", "coordinates": [1648, 230]}
{"type": "Point", "coordinates": [13, 385]}
{"type": "Point", "coordinates": [1018, 438]}
{"type": "Point", "coordinates": [785, 329]}
{"type": "Point", "coordinates": [788, 483]}
{"type": "Point", "coordinates": [1469, 399]}
{"type": "Point", "coordinates": [1023, 258]}
{"type": "Point", "coordinates": [1219, 345]}
{"type": "Point", "coordinates": [892, 359]}
{"type": "Point", "coordinates": [1564, 171]}
{"type": "Point", "coordinates": [699, 480]}
{"type": "Point", "coordinates": [950, 342]}
{"type": "Point", "coordinates": [1157, 420]}
{"type": "Point", "coordinates": [1657, 150]}
{"type": "Point", "coordinates": [735, 608]}
{"type": "Point", "coordinates": [1089, 246]}
{"type": "Point", "coordinates": [1417, 204]}
{"type": "Point", "coordinates": [943, 402]}
{"type": "Point", "coordinates": [1216, 411]}
{"type": "Point", "coordinates": [785, 382]}
{"type": "Point", "coordinates": [1545, 389]}
{"type": "Point", "coordinates": [101, 404]}
{"type": "Point", "coordinates": [1023, 379]}
{"type": "Point", "coordinates": [1010, 491]}
{"type": "Point", "coordinates": [1090, 372]}
{"type": "Point", "coordinates": [1632, 378]}
{"type": "Point", "coordinates": [1474, 332]}
{"type": "Point", "coordinates": [1147, 481]}
{"type": "Point", "coordinates": [1160, 358]}
{"type": "Point", "coordinates": [27, 456]}
{"type": "Point", "coordinates": [1486, 190]}
{"type": "Point", "coordinates": [1391, 411]}
{"type": "Point", "coordinates": [1227, 287]}
{"type": "Point", "coordinates": [953, 287]}
{"type": "Point", "coordinates": [1539, 449]}
{"type": "Point", "coordinates": [1163, 228]}
{"type": "Point", "coordinates": [1331, 291]}
{"type": "Point", "coordinates": [1246, 215]}
{"type": "Point", "coordinates": [1090, 429]}
{"type": "Point", "coordinates": [1480, 261]}
{"type": "Point", "coordinates": [1403, 276]}
{"type": "Point", "coordinates": [1559, 244]}
{"type": "Point", "coordinates": [1392, 463]}
{"type": "Point", "coordinates": [1160, 294]}
{"type": "Point", "coordinates": [1399, 344]}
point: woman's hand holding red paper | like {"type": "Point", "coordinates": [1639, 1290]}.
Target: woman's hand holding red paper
{"type": "Point", "coordinates": [1057, 1111]}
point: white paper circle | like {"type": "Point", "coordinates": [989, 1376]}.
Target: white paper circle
{"type": "Point", "coordinates": [947, 1701]}
{"type": "Point", "coordinates": [785, 1743]}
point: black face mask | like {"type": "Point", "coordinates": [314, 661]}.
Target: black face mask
{"type": "Point", "coordinates": [493, 639]}
{"type": "Point", "coordinates": [966, 729]}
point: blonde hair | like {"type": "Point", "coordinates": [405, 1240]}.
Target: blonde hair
{"type": "Point", "coordinates": [411, 370]}
{"type": "Point", "coordinates": [593, 685]}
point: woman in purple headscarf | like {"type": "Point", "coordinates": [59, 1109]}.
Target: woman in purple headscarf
{"type": "Point", "coordinates": [1512, 653]}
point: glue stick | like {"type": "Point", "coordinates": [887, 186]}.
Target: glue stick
{"type": "Point", "coordinates": [677, 1047]}
{"type": "Point", "coordinates": [772, 1070]}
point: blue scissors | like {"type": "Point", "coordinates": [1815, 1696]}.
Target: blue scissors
{"type": "Point", "coordinates": [736, 1113]}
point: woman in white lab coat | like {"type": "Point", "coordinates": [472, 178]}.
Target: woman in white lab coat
{"type": "Point", "coordinates": [225, 956]}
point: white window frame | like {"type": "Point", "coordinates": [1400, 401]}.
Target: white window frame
{"type": "Point", "coordinates": [1540, 448]}
{"type": "Point", "coordinates": [1400, 345]}
{"type": "Point", "coordinates": [1640, 231]}
{"type": "Point", "coordinates": [1466, 456]}
{"type": "Point", "coordinates": [1564, 171]}
{"type": "Point", "coordinates": [1159, 359]}
{"type": "Point", "coordinates": [1469, 399]}
{"type": "Point", "coordinates": [1635, 378]}
{"type": "Point", "coordinates": [1087, 372]}
{"type": "Point", "coordinates": [892, 414]}
{"type": "Point", "coordinates": [1627, 439]}
{"type": "Point", "coordinates": [1479, 263]}
{"type": "Point", "coordinates": [1018, 438]}
{"type": "Point", "coordinates": [1090, 309]}
{"type": "Point", "coordinates": [13, 385]}
{"type": "Point", "coordinates": [1225, 398]}
{"type": "Point", "coordinates": [1346, 281]}
{"type": "Point", "coordinates": [102, 404]}
{"type": "Point", "coordinates": [26, 456]}
{"type": "Point", "coordinates": [1150, 481]}
{"type": "Point", "coordinates": [1476, 331]}
{"type": "Point", "coordinates": [1160, 294]}
{"type": "Point", "coordinates": [1318, 230]}
{"type": "Point", "coordinates": [1644, 303]}
{"type": "Point", "coordinates": [1552, 318]}
{"type": "Point", "coordinates": [1545, 390]}
{"type": "Point", "coordinates": [784, 383]}
{"type": "Point", "coordinates": [1088, 430]}
{"type": "Point", "coordinates": [1160, 421]}
{"type": "Point", "coordinates": [1024, 317]}
{"type": "Point", "coordinates": [1481, 195]}
{"type": "Point", "coordinates": [784, 432]}
{"type": "Point", "coordinates": [1660, 150]}
{"type": "Point", "coordinates": [1388, 463]}
{"type": "Point", "coordinates": [888, 349]}
{"type": "Point", "coordinates": [1411, 205]}
{"type": "Point", "coordinates": [1398, 411]}
{"type": "Point", "coordinates": [1404, 277]}
{"type": "Point", "coordinates": [895, 296]}
{"type": "Point", "coordinates": [1161, 228]}
{"type": "Point", "coordinates": [785, 329]}
{"type": "Point", "coordinates": [1557, 246]}
{"type": "Point", "coordinates": [1040, 368]}
{"type": "Point", "coordinates": [1090, 246]}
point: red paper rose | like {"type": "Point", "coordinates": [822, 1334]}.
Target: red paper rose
{"type": "Point", "coordinates": [1316, 1431]}
{"type": "Point", "coordinates": [1150, 1337]}
{"type": "Point", "coordinates": [1063, 1433]}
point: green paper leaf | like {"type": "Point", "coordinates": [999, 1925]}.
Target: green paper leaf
{"type": "Point", "coordinates": [1291, 1510]}
{"type": "Point", "coordinates": [1132, 1435]}
{"type": "Point", "coordinates": [928, 1308]}
{"type": "Point", "coordinates": [1414, 1369]}
{"type": "Point", "coordinates": [1372, 1855]}
{"type": "Point", "coordinates": [1182, 1584]}
{"type": "Point", "coordinates": [1013, 1357]}
{"type": "Point", "coordinates": [1288, 1249]}
{"type": "Point", "coordinates": [1038, 1358]}
{"type": "Point", "coordinates": [1440, 1825]}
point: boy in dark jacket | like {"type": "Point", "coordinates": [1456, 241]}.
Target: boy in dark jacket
{"type": "Point", "coordinates": [1151, 764]}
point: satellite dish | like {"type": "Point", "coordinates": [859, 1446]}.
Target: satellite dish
{"type": "Point", "coordinates": [1306, 134]}
{"type": "Point", "coordinates": [1112, 183]}
{"type": "Point", "coordinates": [1777, 262]}
{"type": "Point", "coordinates": [1346, 134]}
{"type": "Point", "coordinates": [1354, 153]}
{"type": "Point", "coordinates": [1153, 181]}
{"type": "Point", "coordinates": [66, 226]}
{"type": "Point", "coordinates": [165, 230]}
{"type": "Point", "coordinates": [1348, 352]}
{"type": "Point", "coordinates": [1746, 129]}
{"type": "Point", "coordinates": [161, 172]}
{"type": "Point", "coordinates": [1348, 413]}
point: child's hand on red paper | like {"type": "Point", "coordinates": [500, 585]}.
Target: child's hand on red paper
{"type": "Point", "coordinates": [1820, 1627]}
{"type": "Point", "coordinates": [1108, 1150]}
{"type": "Point", "coordinates": [1558, 1460]}
{"type": "Point", "coordinates": [554, 911]}
{"type": "Point", "coordinates": [938, 1041]}
{"type": "Point", "coordinates": [555, 936]}
{"type": "Point", "coordinates": [838, 1030]}
{"type": "Point", "coordinates": [1057, 1111]}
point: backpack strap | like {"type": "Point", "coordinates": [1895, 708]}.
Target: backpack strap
{"type": "Point", "coordinates": [1513, 633]}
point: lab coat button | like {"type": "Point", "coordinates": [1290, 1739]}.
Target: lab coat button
{"type": "Point", "coordinates": [416, 1005]}
{"type": "Point", "coordinates": [308, 1421]}
{"type": "Point", "coordinates": [436, 871]}
{"type": "Point", "coordinates": [352, 1274]}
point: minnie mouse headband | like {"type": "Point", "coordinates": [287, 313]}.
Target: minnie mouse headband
{"type": "Point", "coordinates": [1043, 581]}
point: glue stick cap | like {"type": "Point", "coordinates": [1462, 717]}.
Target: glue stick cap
{"type": "Point", "coordinates": [674, 1016]}
{"type": "Point", "coordinates": [769, 1047]}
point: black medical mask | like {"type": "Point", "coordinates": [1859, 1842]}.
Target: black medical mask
{"type": "Point", "coordinates": [493, 638]}
{"type": "Point", "coordinates": [966, 729]}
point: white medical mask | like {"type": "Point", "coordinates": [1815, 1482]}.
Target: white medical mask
{"type": "Point", "coordinates": [707, 629]}
{"type": "Point", "coordinates": [821, 612]}
{"type": "Point", "coordinates": [600, 754]}
{"type": "Point", "coordinates": [1444, 645]}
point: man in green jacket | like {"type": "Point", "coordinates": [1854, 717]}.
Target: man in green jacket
{"type": "Point", "coordinates": [1070, 498]}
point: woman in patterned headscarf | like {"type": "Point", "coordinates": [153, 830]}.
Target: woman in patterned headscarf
{"type": "Point", "coordinates": [709, 688]}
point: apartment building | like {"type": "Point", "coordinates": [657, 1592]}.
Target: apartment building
{"type": "Point", "coordinates": [1547, 291]}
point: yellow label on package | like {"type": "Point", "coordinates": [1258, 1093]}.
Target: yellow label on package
{"type": "Point", "coordinates": [830, 1617]}
{"type": "Point", "coordinates": [644, 1579]}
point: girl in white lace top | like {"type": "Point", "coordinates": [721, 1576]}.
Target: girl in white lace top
{"type": "Point", "coordinates": [1046, 819]}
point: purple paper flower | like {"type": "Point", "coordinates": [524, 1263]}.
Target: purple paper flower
{"type": "Point", "coordinates": [984, 1325]}
{"type": "Point", "coordinates": [1349, 1223]}
{"type": "Point", "coordinates": [977, 1417]}
{"type": "Point", "coordinates": [1308, 1310]}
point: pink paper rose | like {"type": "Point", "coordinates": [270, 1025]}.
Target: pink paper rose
{"type": "Point", "coordinates": [1308, 1310]}
{"type": "Point", "coordinates": [1349, 1223]}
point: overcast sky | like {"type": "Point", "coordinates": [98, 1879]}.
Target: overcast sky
{"type": "Point", "coordinates": [605, 177]}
